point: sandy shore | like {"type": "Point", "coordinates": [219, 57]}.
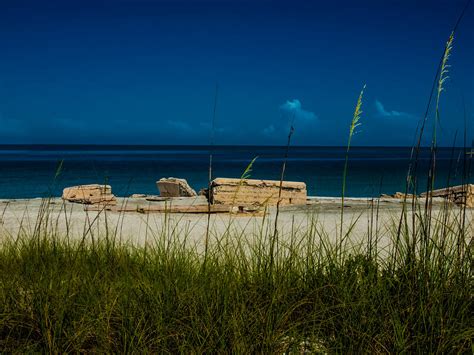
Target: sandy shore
{"type": "Point", "coordinates": [21, 217]}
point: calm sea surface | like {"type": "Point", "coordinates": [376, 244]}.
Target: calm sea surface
{"type": "Point", "coordinates": [29, 171]}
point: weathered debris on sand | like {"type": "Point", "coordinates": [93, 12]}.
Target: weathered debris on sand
{"type": "Point", "coordinates": [90, 194]}
{"type": "Point", "coordinates": [157, 204]}
{"type": "Point", "coordinates": [174, 187]}
{"type": "Point", "coordinates": [252, 192]}
{"type": "Point", "coordinates": [164, 208]}
{"type": "Point", "coordinates": [138, 195]}
{"type": "Point", "coordinates": [398, 195]}
{"type": "Point", "coordinates": [460, 195]}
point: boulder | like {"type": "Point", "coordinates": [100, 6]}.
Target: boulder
{"type": "Point", "coordinates": [89, 194]}
{"type": "Point", "coordinates": [252, 192]}
{"type": "Point", "coordinates": [173, 187]}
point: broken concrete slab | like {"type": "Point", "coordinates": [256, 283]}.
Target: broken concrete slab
{"type": "Point", "coordinates": [253, 192]}
{"type": "Point", "coordinates": [460, 195]}
{"type": "Point", "coordinates": [161, 203]}
{"type": "Point", "coordinates": [170, 205]}
{"type": "Point", "coordinates": [398, 195]}
{"type": "Point", "coordinates": [89, 194]}
{"type": "Point", "coordinates": [174, 187]}
{"type": "Point", "coordinates": [191, 209]}
{"type": "Point", "coordinates": [194, 200]}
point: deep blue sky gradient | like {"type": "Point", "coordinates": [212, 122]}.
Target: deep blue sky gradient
{"type": "Point", "coordinates": [144, 72]}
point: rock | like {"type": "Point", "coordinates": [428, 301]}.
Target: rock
{"type": "Point", "coordinates": [89, 194]}
{"type": "Point", "coordinates": [251, 192]}
{"type": "Point", "coordinates": [460, 195]}
{"type": "Point", "coordinates": [173, 187]}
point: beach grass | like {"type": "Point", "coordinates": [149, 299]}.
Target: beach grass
{"type": "Point", "coordinates": [63, 295]}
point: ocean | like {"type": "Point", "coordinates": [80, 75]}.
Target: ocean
{"type": "Point", "coordinates": [28, 171]}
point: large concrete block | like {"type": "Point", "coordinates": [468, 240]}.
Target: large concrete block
{"type": "Point", "coordinates": [173, 187]}
{"type": "Point", "coordinates": [89, 194]}
{"type": "Point", "coordinates": [252, 192]}
{"type": "Point", "coordinates": [460, 195]}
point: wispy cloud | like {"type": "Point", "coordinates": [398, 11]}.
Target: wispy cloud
{"type": "Point", "coordinates": [382, 112]}
{"type": "Point", "coordinates": [293, 107]}
{"type": "Point", "coordinates": [270, 130]}
{"type": "Point", "coordinates": [179, 125]}
{"type": "Point", "coordinates": [291, 111]}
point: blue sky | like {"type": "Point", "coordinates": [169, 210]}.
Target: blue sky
{"type": "Point", "coordinates": [144, 72]}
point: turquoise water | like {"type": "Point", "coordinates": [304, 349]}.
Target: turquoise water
{"type": "Point", "coordinates": [29, 171]}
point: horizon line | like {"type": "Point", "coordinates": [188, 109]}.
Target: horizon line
{"type": "Point", "coordinates": [37, 145]}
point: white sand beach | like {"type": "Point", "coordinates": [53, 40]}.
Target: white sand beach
{"type": "Point", "coordinates": [320, 216]}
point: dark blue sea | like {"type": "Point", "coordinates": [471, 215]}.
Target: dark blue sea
{"type": "Point", "coordinates": [29, 171]}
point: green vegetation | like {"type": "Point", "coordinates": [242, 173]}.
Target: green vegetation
{"type": "Point", "coordinates": [352, 130]}
{"type": "Point", "coordinates": [58, 295]}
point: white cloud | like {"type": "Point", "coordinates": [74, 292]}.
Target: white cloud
{"type": "Point", "coordinates": [293, 107]}
{"type": "Point", "coordinates": [292, 113]}
{"type": "Point", "coordinates": [382, 112]}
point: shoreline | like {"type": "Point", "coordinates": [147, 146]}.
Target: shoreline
{"type": "Point", "coordinates": [310, 199]}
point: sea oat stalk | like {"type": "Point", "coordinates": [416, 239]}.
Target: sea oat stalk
{"type": "Point", "coordinates": [352, 130]}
